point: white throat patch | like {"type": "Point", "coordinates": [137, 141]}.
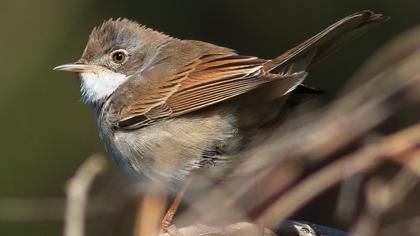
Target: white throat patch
{"type": "Point", "coordinates": [95, 86]}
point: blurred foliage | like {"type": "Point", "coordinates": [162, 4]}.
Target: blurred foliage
{"type": "Point", "coordinates": [47, 132]}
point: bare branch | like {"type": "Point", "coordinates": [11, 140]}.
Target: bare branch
{"type": "Point", "coordinates": [77, 191]}
{"type": "Point", "coordinates": [362, 160]}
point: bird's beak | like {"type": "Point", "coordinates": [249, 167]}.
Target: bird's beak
{"type": "Point", "coordinates": [78, 68]}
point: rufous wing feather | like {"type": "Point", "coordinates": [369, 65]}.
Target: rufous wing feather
{"type": "Point", "coordinates": [216, 79]}
{"type": "Point", "coordinates": [207, 80]}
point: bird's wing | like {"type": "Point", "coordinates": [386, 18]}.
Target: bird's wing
{"type": "Point", "coordinates": [205, 81]}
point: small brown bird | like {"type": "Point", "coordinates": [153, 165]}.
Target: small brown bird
{"type": "Point", "coordinates": [166, 107]}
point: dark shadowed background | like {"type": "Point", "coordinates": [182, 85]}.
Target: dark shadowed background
{"type": "Point", "coordinates": [45, 130]}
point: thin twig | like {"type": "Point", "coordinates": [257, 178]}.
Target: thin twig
{"type": "Point", "coordinates": [77, 194]}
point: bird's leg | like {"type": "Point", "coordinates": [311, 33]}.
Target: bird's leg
{"type": "Point", "coordinates": [169, 216]}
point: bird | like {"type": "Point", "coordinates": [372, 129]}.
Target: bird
{"type": "Point", "coordinates": [167, 107]}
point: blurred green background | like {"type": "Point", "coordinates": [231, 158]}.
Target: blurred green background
{"type": "Point", "coordinates": [45, 130]}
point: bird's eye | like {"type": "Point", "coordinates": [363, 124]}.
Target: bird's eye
{"type": "Point", "coordinates": [119, 56]}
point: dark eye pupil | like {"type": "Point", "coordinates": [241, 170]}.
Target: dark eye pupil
{"type": "Point", "coordinates": [119, 56]}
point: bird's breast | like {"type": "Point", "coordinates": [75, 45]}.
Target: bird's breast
{"type": "Point", "coordinates": [169, 150]}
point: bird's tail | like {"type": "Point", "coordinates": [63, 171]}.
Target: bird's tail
{"type": "Point", "coordinates": [313, 50]}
